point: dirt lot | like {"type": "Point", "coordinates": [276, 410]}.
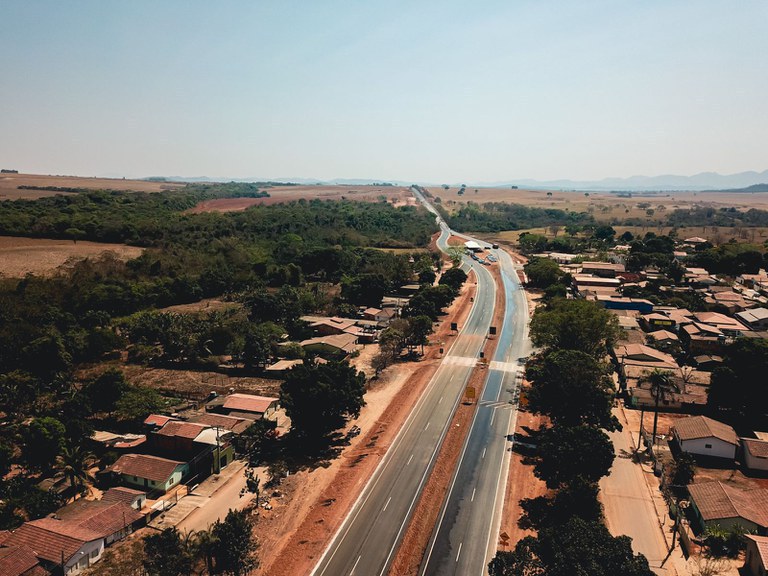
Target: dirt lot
{"type": "Point", "coordinates": [298, 528]}
{"type": "Point", "coordinates": [21, 256]}
{"type": "Point", "coordinates": [397, 195]}
{"type": "Point", "coordinates": [9, 185]}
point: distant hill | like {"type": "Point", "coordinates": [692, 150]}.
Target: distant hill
{"type": "Point", "coordinates": [748, 190]}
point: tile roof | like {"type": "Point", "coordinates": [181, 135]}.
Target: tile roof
{"type": "Point", "coordinates": [696, 427]}
{"type": "Point", "coordinates": [248, 403]}
{"type": "Point", "coordinates": [236, 425]}
{"type": "Point", "coordinates": [157, 420]}
{"type": "Point", "coordinates": [761, 543]}
{"type": "Point", "coordinates": [144, 466]}
{"type": "Point", "coordinates": [179, 429]}
{"type": "Point", "coordinates": [17, 561]}
{"type": "Point", "coordinates": [98, 517]}
{"type": "Point", "coordinates": [718, 501]}
{"type": "Point", "coordinates": [121, 494]}
{"type": "Point", "coordinates": [46, 543]}
{"type": "Point", "coordinates": [757, 448]}
{"type": "Point", "coordinates": [663, 335]}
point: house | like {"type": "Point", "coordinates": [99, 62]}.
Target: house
{"type": "Point", "coordinates": [340, 345]}
{"type": "Point", "coordinates": [602, 269]}
{"type": "Point", "coordinates": [117, 442]}
{"type": "Point", "coordinates": [177, 438]}
{"type": "Point", "coordinates": [755, 454]}
{"type": "Point", "coordinates": [702, 339]}
{"type": "Point", "coordinates": [57, 545]}
{"type": "Point", "coordinates": [247, 406]}
{"type": "Point", "coordinates": [755, 319]}
{"type": "Point", "coordinates": [20, 561]}
{"type": "Point", "coordinates": [756, 555]}
{"type": "Point", "coordinates": [664, 338]}
{"type": "Point", "coordinates": [380, 315]}
{"type": "Point", "coordinates": [331, 326]}
{"type": "Point", "coordinates": [695, 240]}
{"type": "Point", "coordinates": [723, 505]}
{"type": "Point", "coordinates": [232, 424]}
{"type": "Point", "coordinates": [657, 321]}
{"type": "Point", "coordinates": [727, 325]}
{"type": "Point", "coordinates": [150, 472]}
{"type": "Point", "coordinates": [133, 498]}
{"type": "Point", "coordinates": [112, 518]}
{"type": "Point", "coordinates": [703, 436]}
{"type": "Point", "coordinates": [642, 355]}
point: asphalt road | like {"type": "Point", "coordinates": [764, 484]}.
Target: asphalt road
{"type": "Point", "coordinates": [367, 540]}
{"type": "Point", "coordinates": [465, 537]}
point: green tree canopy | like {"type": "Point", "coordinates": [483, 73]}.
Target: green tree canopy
{"type": "Point", "coordinates": [234, 548]}
{"type": "Point", "coordinates": [572, 388]}
{"type": "Point", "coordinates": [166, 555]}
{"type": "Point", "coordinates": [43, 442]}
{"type": "Point", "coordinates": [574, 325]}
{"type": "Point", "coordinates": [542, 272]}
{"type": "Point", "coordinates": [738, 388]}
{"type": "Point", "coordinates": [318, 398]}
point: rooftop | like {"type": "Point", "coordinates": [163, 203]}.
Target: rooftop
{"type": "Point", "coordinates": [248, 403]}
{"type": "Point", "coordinates": [697, 427]}
{"type": "Point", "coordinates": [145, 466]}
{"type": "Point", "coordinates": [717, 501]}
{"type": "Point", "coordinates": [179, 429]}
{"type": "Point", "coordinates": [756, 448]}
{"type": "Point", "coordinates": [761, 543]}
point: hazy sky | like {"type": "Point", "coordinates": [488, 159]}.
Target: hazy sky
{"type": "Point", "coordinates": [442, 90]}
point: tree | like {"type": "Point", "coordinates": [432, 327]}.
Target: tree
{"type": "Point", "coordinates": [427, 277]}
{"type": "Point", "coordinates": [604, 232]}
{"type": "Point", "coordinates": [74, 464]}
{"type": "Point", "coordinates": [455, 254]}
{"type": "Point", "coordinates": [578, 499]}
{"type": "Point", "coordinates": [453, 277]}
{"type": "Point", "coordinates": [43, 442]}
{"type": "Point", "coordinates": [138, 403]}
{"type": "Point", "coordinates": [683, 470]}
{"type": "Point", "coordinates": [419, 329]}
{"type": "Point", "coordinates": [105, 392]}
{"type": "Point", "coordinates": [166, 554]}
{"type": "Point", "coordinates": [234, 548]}
{"type": "Point", "coordinates": [572, 388]}
{"type": "Point", "coordinates": [737, 387]}
{"type": "Point", "coordinates": [318, 398]}
{"type": "Point", "coordinates": [542, 272]}
{"type": "Point", "coordinates": [124, 560]}
{"type": "Point", "coordinates": [577, 548]}
{"type": "Point", "coordinates": [566, 453]}
{"type": "Point", "coordinates": [662, 386]}
{"type": "Point", "coordinates": [574, 325]}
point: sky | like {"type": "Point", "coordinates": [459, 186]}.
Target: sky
{"type": "Point", "coordinates": [412, 90]}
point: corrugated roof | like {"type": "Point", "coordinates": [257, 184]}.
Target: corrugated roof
{"type": "Point", "coordinates": [144, 466]}
{"type": "Point", "coordinates": [696, 427]}
{"type": "Point", "coordinates": [248, 403]}
{"type": "Point", "coordinates": [718, 501]}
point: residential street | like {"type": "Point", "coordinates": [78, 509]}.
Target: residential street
{"type": "Point", "coordinates": [629, 508]}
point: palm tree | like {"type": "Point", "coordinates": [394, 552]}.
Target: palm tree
{"type": "Point", "coordinates": [662, 387]}
{"type": "Point", "coordinates": [204, 545]}
{"type": "Point", "coordinates": [74, 463]}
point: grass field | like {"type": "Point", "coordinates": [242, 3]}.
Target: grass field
{"type": "Point", "coordinates": [9, 184]}
{"type": "Point", "coordinates": [22, 256]}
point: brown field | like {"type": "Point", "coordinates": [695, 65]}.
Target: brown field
{"type": "Point", "coordinates": [21, 256]}
{"type": "Point", "coordinates": [9, 185]}
{"type": "Point", "coordinates": [398, 196]}
{"type": "Point", "coordinates": [603, 205]}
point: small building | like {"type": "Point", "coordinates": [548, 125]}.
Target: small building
{"type": "Point", "coordinates": [247, 406]}
{"type": "Point", "coordinates": [331, 326]}
{"type": "Point", "coordinates": [721, 504]}
{"type": "Point", "coordinates": [754, 319]}
{"type": "Point", "coordinates": [232, 424]}
{"type": "Point", "coordinates": [329, 347]}
{"type": "Point", "coordinates": [602, 269]}
{"type": "Point", "coordinates": [382, 316]}
{"type": "Point", "coordinates": [623, 303]}
{"type": "Point", "coordinates": [150, 472]}
{"type": "Point", "coordinates": [20, 561]}
{"type": "Point", "coordinates": [473, 246]}
{"type": "Point", "coordinates": [755, 453]}
{"type": "Point", "coordinates": [703, 436]}
{"type": "Point", "coordinates": [756, 555]}
{"type": "Point", "coordinates": [664, 340]}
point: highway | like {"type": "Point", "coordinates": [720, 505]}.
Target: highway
{"type": "Point", "coordinates": [367, 540]}
{"type": "Point", "coordinates": [465, 537]}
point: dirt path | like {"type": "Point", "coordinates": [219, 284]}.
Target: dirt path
{"type": "Point", "coordinates": [424, 517]}
{"type": "Point", "coordinates": [314, 503]}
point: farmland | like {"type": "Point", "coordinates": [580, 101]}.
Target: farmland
{"type": "Point", "coordinates": [9, 185]}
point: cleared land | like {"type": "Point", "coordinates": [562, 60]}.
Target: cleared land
{"type": "Point", "coordinates": [603, 205]}
{"type": "Point", "coordinates": [22, 256]}
{"type": "Point", "coordinates": [9, 184]}
{"type": "Point", "coordinates": [398, 196]}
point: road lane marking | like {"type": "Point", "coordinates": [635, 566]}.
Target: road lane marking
{"type": "Point", "coordinates": [355, 566]}
{"type": "Point", "coordinates": [441, 399]}
{"type": "Point", "coordinates": [493, 415]}
{"type": "Point", "coordinates": [459, 553]}
{"type": "Point", "coordinates": [387, 504]}
{"type": "Point", "coordinates": [427, 426]}
{"type": "Point", "coordinates": [483, 456]}
{"type": "Point", "coordinates": [409, 460]}
{"type": "Point", "coordinates": [473, 495]}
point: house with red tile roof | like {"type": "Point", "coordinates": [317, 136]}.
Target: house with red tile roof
{"type": "Point", "coordinates": [722, 504]}
{"type": "Point", "coordinates": [20, 561]}
{"type": "Point", "coordinates": [703, 436]}
{"type": "Point", "coordinates": [149, 472]}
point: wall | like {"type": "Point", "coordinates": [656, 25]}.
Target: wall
{"type": "Point", "coordinates": [718, 448]}
{"type": "Point", "coordinates": [83, 558]}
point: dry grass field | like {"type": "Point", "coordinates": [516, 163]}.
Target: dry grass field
{"type": "Point", "coordinates": [22, 256]}
{"type": "Point", "coordinates": [603, 205]}
{"type": "Point", "coordinates": [9, 184]}
{"type": "Point", "coordinates": [399, 196]}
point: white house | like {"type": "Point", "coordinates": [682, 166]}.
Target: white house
{"type": "Point", "coordinates": [755, 453]}
{"type": "Point", "coordinates": [150, 472]}
{"type": "Point", "coordinates": [702, 436]}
